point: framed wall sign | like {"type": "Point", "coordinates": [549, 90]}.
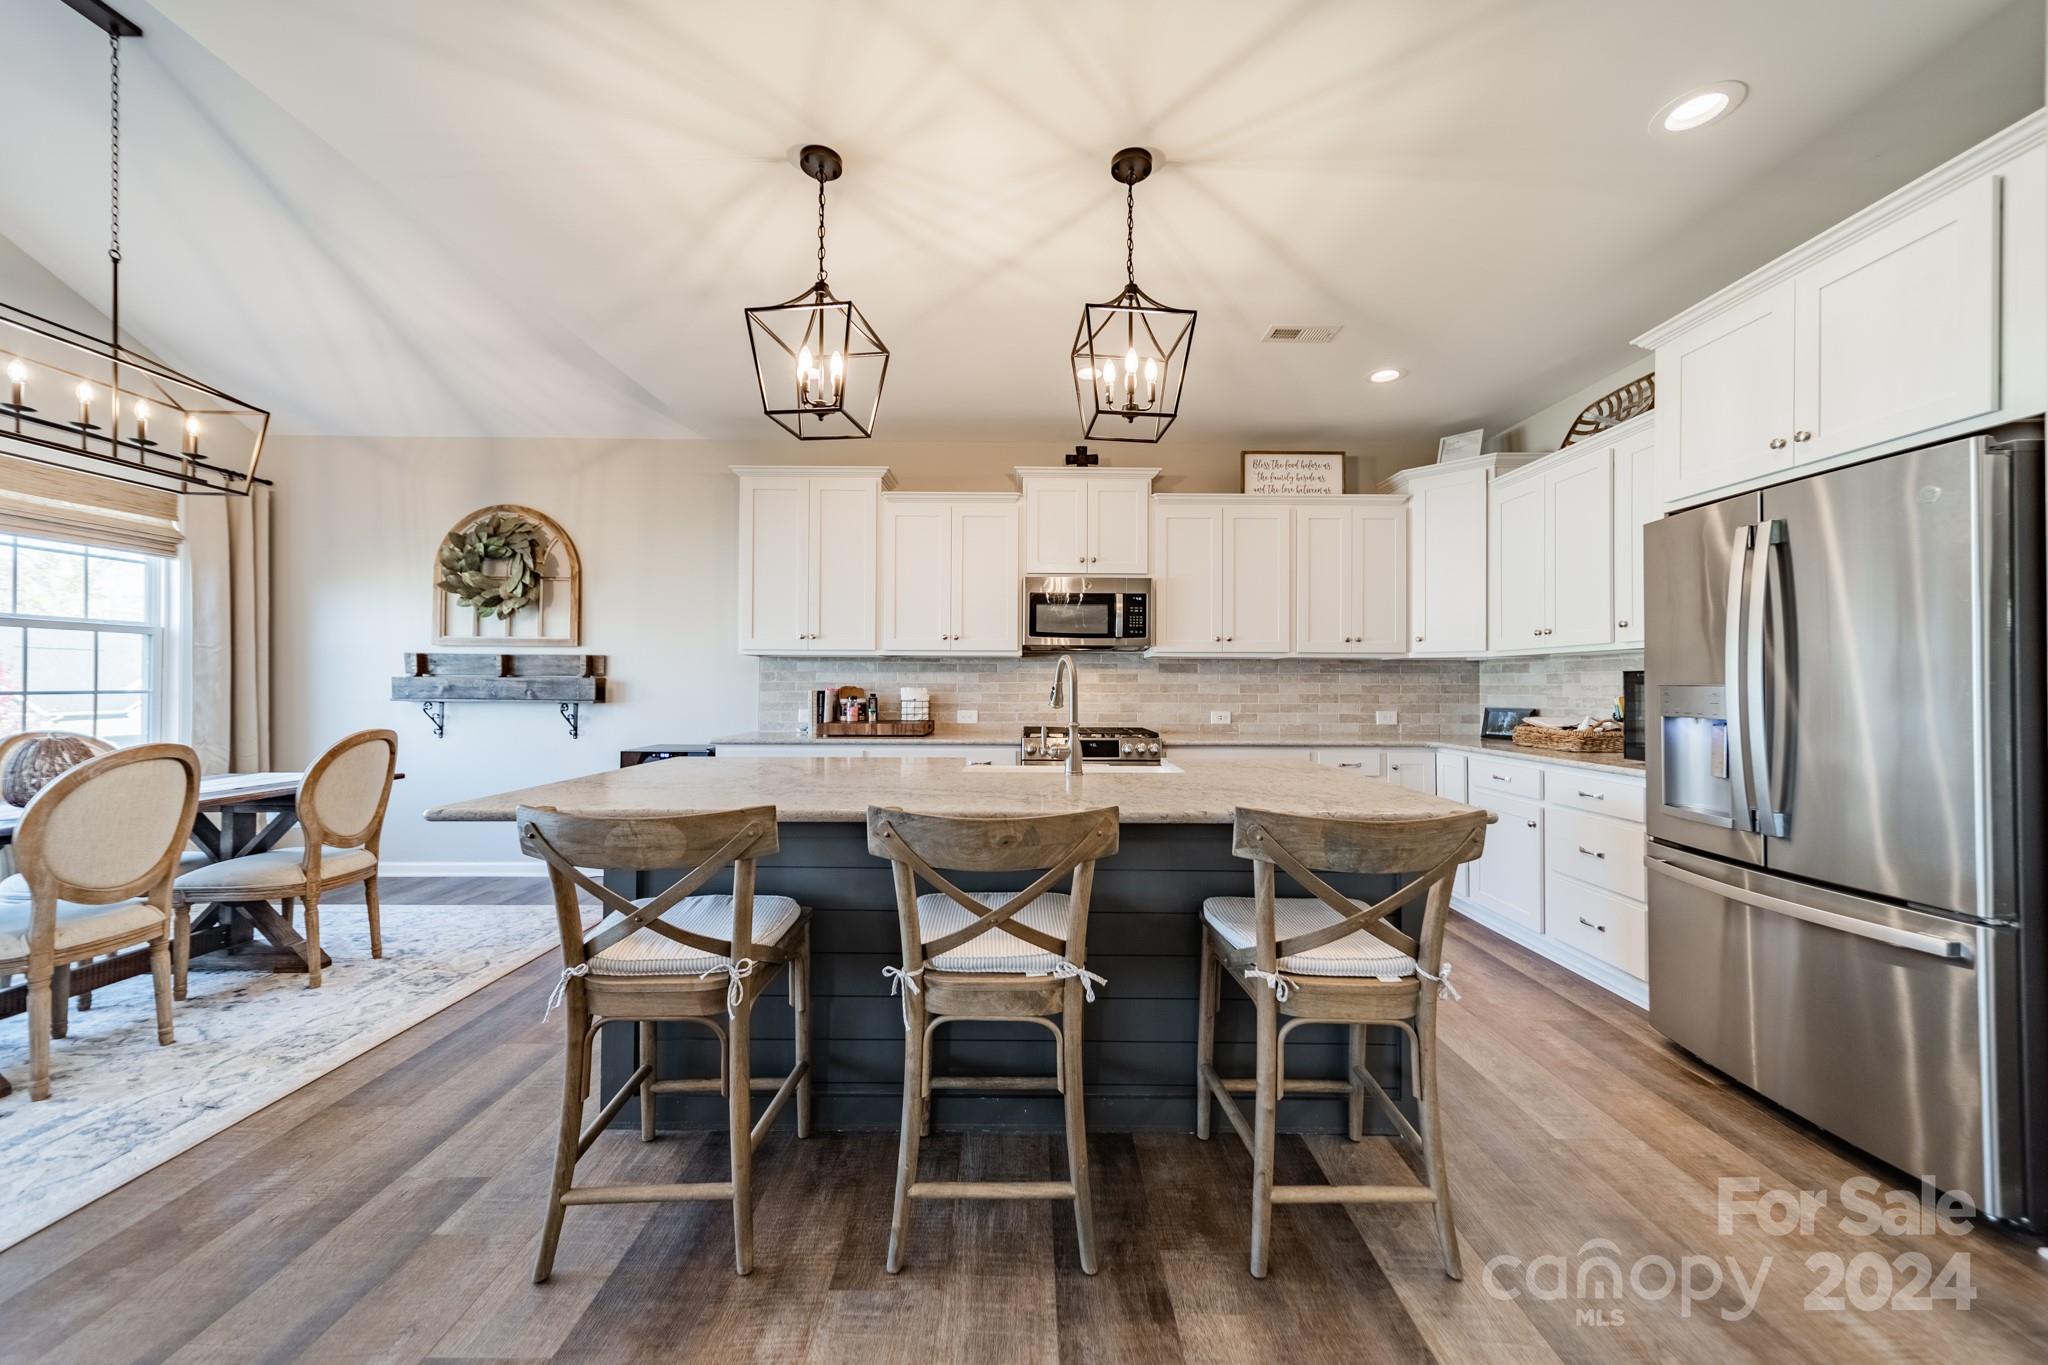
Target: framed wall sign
{"type": "Point", "coordinates": [1459, 446]}
{"type": "Point", "coordinates": [1294, 473]}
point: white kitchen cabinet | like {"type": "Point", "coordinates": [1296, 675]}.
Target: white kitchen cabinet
{"type": "Point", "coordinates": [1414, 769]}
{"type": "Point", "coordinates": [1187, 577]}
{"type": "Point", "coordinates": [1897, 332]}
{"type": "Point", "coordinates": [949, 574]}
{"type": "Point", "coordinates": [1222, 576]}
{"type": "Point", "coordinates": [1258, 578]}
{"type": "Point", "coordinates": [1448, 548]}
{"type": "Point", "coordinates": [1508, 878]}
{"type": "Point", "coordinates": [1350, 572]}
{"type": "Point", "coordinates": [1365, 762]}
{"type": "Point", "coordinates": [1724, 396]}
{"type": "Point", "coordinates": [1451, 785]}
{"type": "Point", "coordinates": [1635, 506]}
{"type": "Point", "coordinates": [808, 559]}
{"type": "Point", "coordinates": [1552, 561]}
{"type": "Point", "coordinates": [1092, 521]}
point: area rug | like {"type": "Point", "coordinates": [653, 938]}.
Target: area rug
{"type": "Point", "coordinates": [120, 1105]}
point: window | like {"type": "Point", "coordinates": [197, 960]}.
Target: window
{"type": "Point", "coordinates": [81, 639]}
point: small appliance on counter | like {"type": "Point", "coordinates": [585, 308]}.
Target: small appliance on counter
{"type": "Point", "coordinates": [1632, 713]}
{"type": "Point", "coordinates": [1500, 721]}
{"type": "Point", "coordinates": [1126, 744]}
{"type": "Point", "coordinates": [1081, 611]}
{"type": "Point", "coordinates": [655, 753]}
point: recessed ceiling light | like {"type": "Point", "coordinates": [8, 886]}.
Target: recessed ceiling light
{"type": "Point", "coordinates": [1698, 108]}
{"type": "Point", "coordinates": [1386, 376]}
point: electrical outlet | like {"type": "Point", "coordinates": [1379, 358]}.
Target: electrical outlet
{"type": "Point", "coordinates": [966, 717]}
{"type": "Point", "coordinates": [1219, 718]}
{"type": "Point", "coordinates": [1385, 717]}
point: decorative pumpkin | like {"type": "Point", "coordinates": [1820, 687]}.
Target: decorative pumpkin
{"type": "Point", "coordinates": [35, 763]}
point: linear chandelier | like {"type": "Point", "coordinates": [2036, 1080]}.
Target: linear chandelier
{"type": "Point", "coordinates": [85, 402]}
{"type": "Point", "coordinates": [818, 364]}
{"type": "Point", "coordinates": [1130, 353]}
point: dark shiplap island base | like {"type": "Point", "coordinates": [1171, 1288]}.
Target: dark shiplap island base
{"type": "Point", "coordinates": [1143, 930]}
{"type": "Point", "coordinates": [1143, 934]}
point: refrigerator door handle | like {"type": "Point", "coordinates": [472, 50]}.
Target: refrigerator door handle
{"type": "Point", "coordinates": [1740, 808]}
{"type": "Point", "coordinates": [1764, 585]}
{"type": "Point", "coordinates": [1932, 945]}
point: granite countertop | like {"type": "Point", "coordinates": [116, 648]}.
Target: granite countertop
{"type": "Point", "coordinates": [816, 790]}
{"type": "Point", "coordinates": [1181, 740]}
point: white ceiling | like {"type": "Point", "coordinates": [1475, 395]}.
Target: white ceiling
{"type": "Point", "coordinates": [541, 218]}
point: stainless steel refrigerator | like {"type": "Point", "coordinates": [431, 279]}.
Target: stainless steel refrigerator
{"type": "Point", "coordinates": [1845, 769]}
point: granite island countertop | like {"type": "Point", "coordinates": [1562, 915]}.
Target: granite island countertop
{"type": "Point", "coordinates": [1178, 741]}
{"type": "Point", "coordinates": [825, 790]}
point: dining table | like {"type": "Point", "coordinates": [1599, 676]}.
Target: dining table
{"type": "Point", "coordinates": [238, 814]}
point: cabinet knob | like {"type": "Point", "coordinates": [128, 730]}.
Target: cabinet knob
{"type": "Point", "coordinates": [1802, 436]}
{"type": "Point", "coordinates": [1532, 824]}
{"type": "Point", "coordinates": [1418, 639]}
{"type": "Point", "coordinates": [1622, 624]}
{"type": "Point", "coordinates": [1777, 443]}
{"type": "Point", "coordinates": [1219, 639]}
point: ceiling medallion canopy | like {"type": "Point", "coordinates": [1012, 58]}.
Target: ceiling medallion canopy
{"type": "Point", "coordinates": [817, 362]}
{"type": "Point", "coordinates": [1130, 353]}
{"type": "Point", "coordinates": [85, 402]}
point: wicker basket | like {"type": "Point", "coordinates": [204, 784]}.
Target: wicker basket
{"type": "Point", "coordinates": [1568, 741]}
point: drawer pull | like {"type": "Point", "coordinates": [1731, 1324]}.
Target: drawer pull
{"type": "Point", "coordinates": [1597, 928]}
{"type": "Point", "coordinates": [1593, 796]}
{"type": "Point", "coordinates": [1590, 853]}
{"type": "Point", "coordinates": [1498, 778]}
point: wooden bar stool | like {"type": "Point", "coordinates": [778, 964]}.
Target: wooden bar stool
{"type": "Point", "coordinates": [1333, 960]}
{"type": "Point", "coordinates": [992, 955]}
{"type": "Point", "coordinates": [673, 957]}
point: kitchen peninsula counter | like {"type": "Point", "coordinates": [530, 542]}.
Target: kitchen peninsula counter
{"type": "Point", "coordinates": [1143, 931]}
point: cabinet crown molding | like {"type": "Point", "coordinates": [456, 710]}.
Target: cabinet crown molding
{"type": "Point", "coordinates": [815, 471]}
{"type": "Point", "coordinates": [1985, 158]}
{"type": "Point", "coordinates": [1093, 471]}
{"type": "Point", "coordinates": [928, 495]}
{"type": "Point", "coordinates": [1497, 464]}
{"type": "Point", "coordinates": [1268, 500]}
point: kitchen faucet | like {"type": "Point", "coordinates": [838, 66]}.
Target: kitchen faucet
{"type": "Point", "coordinates": [1070, 672]}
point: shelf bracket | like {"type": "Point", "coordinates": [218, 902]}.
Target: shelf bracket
{"type": "Point", "coordinates": [572, 712]}
{"type": "Point", "coordinates": [437, 716]}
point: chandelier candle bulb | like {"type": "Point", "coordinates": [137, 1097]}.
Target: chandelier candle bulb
{"type": "Point", "coordinates": [191, 436]}
{"type": "Point", "coordinates": [142, 422]}
{"type": "Point", "coordinates": [84, 404]}
{"type": "Point", "coordinates": [17, 384]}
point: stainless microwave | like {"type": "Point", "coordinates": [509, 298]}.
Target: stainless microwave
{"type": "Point", "coordinates": [1081, 611]}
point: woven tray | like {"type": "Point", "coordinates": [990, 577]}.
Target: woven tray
{"type": "Point", "coordinates": [1568, 741]}
{"type": "Point", "coordinates": [875, 729]}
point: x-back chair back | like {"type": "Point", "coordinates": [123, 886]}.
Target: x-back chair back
{"type": "Point", "coordinates": [1354, 985]}
{"type": "Point", "coordinates": [1054, 981]}
{"type": "Point", "coordinates": [706, 844]}
{"type": "Point", "coordinates": [105, 832]}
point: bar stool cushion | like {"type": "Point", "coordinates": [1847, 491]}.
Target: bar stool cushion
{"type": "Point", "coordinates": [76, 923]}
{"type": "Point", "coordinates": [995, 951]}
{"type": "Point", "coordinates": [646, 953]}
{"type": "Point", "coordinates": [1356, 954]}
{"type": "Point", "coordinates": [277, 871]}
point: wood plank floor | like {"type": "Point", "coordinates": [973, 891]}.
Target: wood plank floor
{"type": "Point", "coordinates": [388, 1212]}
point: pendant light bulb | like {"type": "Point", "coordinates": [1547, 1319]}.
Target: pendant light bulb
{"type": "Point", "coordinates": [84, 392]}
{"type": "Point", "coordinates": [17, 372]}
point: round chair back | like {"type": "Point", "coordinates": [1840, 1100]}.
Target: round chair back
{"type": "Point", "coordinates": [112, 827]}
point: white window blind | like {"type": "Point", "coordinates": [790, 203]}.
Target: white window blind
{"type": "Point", "coordinates": [65, 504]}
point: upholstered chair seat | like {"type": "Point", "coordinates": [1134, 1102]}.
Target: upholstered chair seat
{"type": "Point", "coordinates": [280, 871]}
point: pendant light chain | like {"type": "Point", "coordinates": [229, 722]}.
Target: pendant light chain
{"type": "Point", "coordinates": [821, 229]}
{"type": "Point", "coordinates": [1130, 233]}
{"type": "Point", "coordinates": [114, 159]}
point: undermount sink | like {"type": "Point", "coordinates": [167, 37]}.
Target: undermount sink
{"type": "Point", "coordinates": [1059, 769]}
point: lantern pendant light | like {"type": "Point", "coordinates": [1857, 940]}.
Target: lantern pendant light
{"type": "Point", "coordinates": [818, 364]}
{"type": "Point", "coordinates": [1131, 352]}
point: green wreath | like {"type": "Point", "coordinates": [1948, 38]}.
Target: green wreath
{"type": "Point", "coordinates": [500, 536]}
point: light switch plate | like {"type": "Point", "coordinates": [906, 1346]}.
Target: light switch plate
{"type": "Point", "coordinates": [1385, 717]}
{"type": "Point", "coordinates": [1219, 718]}
{"type": "Point", "coordinates": [966, 717]}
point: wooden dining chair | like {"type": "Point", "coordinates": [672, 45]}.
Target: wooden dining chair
{"type": "Point", "coordinates": [8, 744]}
{"type": "Point", "coordinates": [993, 956]}
{"type": "Point", "coordinates": [98, 848]}
{"type": "Point", "coordinates": [341, 813]}
{"type": "Point", "coordinates": [674, 957]}
{"type": "Point", "coordinates": [1326, 958]}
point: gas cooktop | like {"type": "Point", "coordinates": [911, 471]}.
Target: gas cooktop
{"type": "Point", "coordinates": [1099, 744]}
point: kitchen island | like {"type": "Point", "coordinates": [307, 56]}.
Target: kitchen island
{"type": "Point", "coordinates": [1143, 928]}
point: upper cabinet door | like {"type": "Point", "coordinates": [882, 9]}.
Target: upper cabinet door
{"type": "Point", "coordinates": [1258, 580]}
{"type": "Point", "coordinates": [1898, 332]}
{"type": "Point", "coordinates": [1447, 565]}
{"type": "Point", "coordinates": [1580, 529]}
{"type": "Point", "coordinates": [775, 610]}
{"type": "Point", "coordinates": [1379, 560]}
{"type": "Point", "coordinates": [1055, 526]}
{"type": "Point", "coordinates": [1119, 524]}
{"type": "Point", "coordinates": [1724, 396]}
{"type": "Point", "coordinates": [917, 575]}
{"type": "Point", "coordinates": [1520, 563]}
{"type": "Point", "coordinates": [1635, 506]}
{"type": "Point", "coordinates": [844, 514]}
{"type": "Point", "coordinates": [987, 609]}
{"type": "Point", "coordinates": [1187, 579]}
{"type": "Point", "coordinates": [1326, 580]}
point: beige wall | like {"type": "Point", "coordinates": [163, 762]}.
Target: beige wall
{"type": "Point", "coordinates": [357, 523]}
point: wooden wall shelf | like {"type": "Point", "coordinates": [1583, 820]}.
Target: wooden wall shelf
{"type": "Point", "coordinates": [434, 680]}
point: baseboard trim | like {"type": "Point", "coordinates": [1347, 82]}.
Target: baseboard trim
{"type": "Point", "coordinates": [1600, 973]}
{"type": "Point", "coordinates": [516, 867]}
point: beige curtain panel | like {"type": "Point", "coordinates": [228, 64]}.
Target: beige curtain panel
{"type": "Point", "coordinates": [227, 543]}
{"type": "Point", "coordinates": [64, 504]}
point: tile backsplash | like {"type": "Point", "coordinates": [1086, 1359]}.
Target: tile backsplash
{"type": "Point", "coordinates": [1268, 699]}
